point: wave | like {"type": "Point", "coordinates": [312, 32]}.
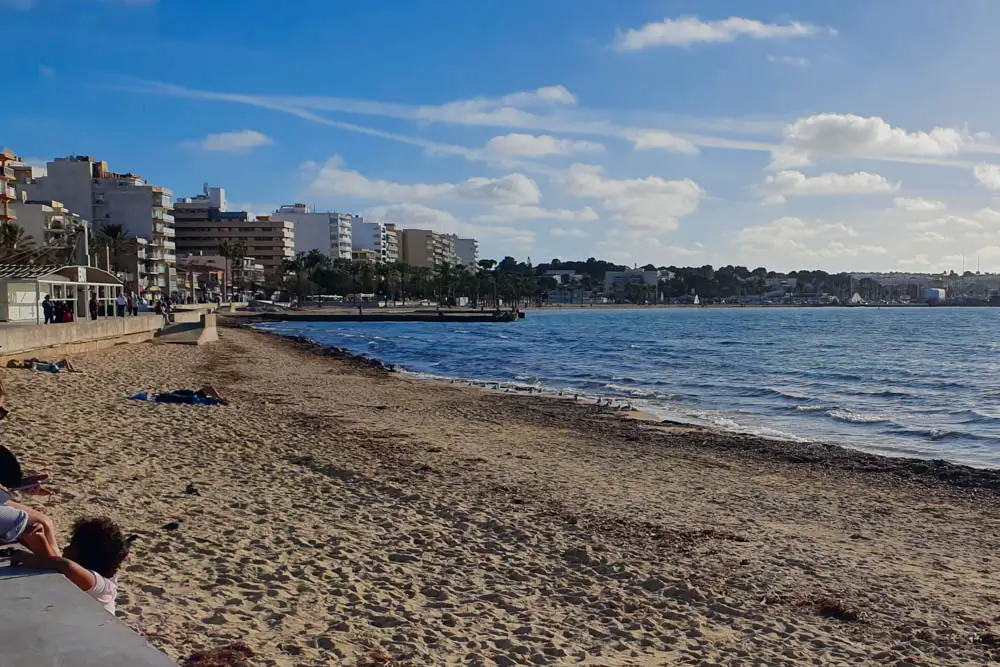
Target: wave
{"type": "Point", "coordinates": [810, 408]}
{"type": "Point", "coordinates": [856, 417]}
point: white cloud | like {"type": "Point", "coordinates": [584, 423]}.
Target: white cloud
{"type": "Point", "coordinates": [545, 95]}
{"type": "Point", "coordinates": [650, 203]}
{"type": "Point", "coordinates": [794, 241]}
{"type": "Point", "coordinates": [234, 141]}
{"type": "Point", "coordinates": [777, 187]}
{"type": "Point", "coordinates": [786, 157]}
{"type": "Point", "coordinates": [689, 30]}
{"type": "Point", "coordinates": [655, 140]}
{"type": "Point", "coordinates": [791, 61]}
{"type": "Point", "coordinates": [988, 175]}
{"type": "Point", "coordinates": [506, 213]}
{"type": "Point", "coordinates": [559, 232]}
{"type": "Point", "coordinates": [847, 134]}
{"type": "Point", "coordinates": [419, 216]}
{"type": "Point", "coordinates": [949, 223]}
{"type": "Point", "coordinates": [917, 204]}
{"type": "Point", "coordinates": [515, 144]}
{"type": "Point", "coordinates": [332, 180]}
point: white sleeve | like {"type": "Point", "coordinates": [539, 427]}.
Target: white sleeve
{"type": "Point", "coordinates": [104, 591]}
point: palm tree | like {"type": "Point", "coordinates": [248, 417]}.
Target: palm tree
{"type": "Point", "coordinates": [15, 244]}
{"type": "Point", "coordinates": [226, 252]}
{"type": "Point", "coordinates": [115, 238]}
{"type": "Point", "coordinates": [237, 253]}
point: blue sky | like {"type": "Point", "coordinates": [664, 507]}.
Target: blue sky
{"type": "Point", "coordinates": [850, 135]}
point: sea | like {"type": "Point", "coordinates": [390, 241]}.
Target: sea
{"type": "Point", "coordinates": [919, 382]}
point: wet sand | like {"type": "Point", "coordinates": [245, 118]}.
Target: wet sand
{"type": "Point", "coordinates": [346, 515]}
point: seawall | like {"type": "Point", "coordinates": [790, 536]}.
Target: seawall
{"type": "Point", "coordinates": [19, 340]}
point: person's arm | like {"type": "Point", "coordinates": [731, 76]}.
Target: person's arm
{"type": "Point", "coordinates": [39, 535]}
{"type": "Point", "coordinates": [82, 577]}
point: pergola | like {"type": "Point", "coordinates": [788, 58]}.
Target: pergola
{"type": "Point", "coordinates": [23, 286]}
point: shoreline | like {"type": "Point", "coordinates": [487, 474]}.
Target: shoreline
{"type": "Point", "coordinates": [982, 477]}
{"type": "Point", "coordinates": [346, 514]}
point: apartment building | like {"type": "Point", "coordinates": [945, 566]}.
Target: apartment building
{"type": "Point", "coordinates": [7, 192]}
{"type": "Point", "coordinates": [203, 225]}
{"type": "Point", "coordinates": [422, 247]}
{"type": "Point", "coordinates": [327, 232]}
{"type": "Point", "coordinates": [392, 252]}
{"type": "Point", "coordinates": [50, 224]}
{"type": "Point", "coordinates": [377, 237]}
{"type": "Point", "coordinates": [88, 188]}
{"type": "Point", "coordinates": [466, 250]}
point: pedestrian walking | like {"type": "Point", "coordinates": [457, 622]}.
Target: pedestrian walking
{"type": "Point", "coordinates": [120, 303]}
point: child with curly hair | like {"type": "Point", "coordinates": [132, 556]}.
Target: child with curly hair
{"type": "Point", "coordinates": [97, 547]}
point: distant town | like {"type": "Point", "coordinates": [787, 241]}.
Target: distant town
{"type": "Point", "coordinates": [77, 211]}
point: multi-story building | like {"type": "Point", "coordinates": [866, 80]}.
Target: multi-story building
{"type": "Point", "coordinates": [466, 250]}
{"type": "Point", "coordinates": [208, 274]}
{"type": "Point", "coordinates": [391, 243]}
{"type": "Point", "coordinates": [7, 192]}
{"type": "Point", "coordinates": [51, 225]}
{"type": "Point", "coordinates": [366, 256]}
{"type": "Point", "coordinates": [88, 188]}
{"type": "Point", "coordinates": [422, 247]}
{"type": "Point", "coordinates": [203, 226]}
{"type": "Point", "coordinates": [378, 237]}
{"type": "Point", "coordinates": [327, 232]}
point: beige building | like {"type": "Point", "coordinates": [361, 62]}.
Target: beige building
{"type": "Point", "coordinates": [422, 247]}
{"type": "Point", "coordinates": [50, 225]}
{"type": "Point", "coordinates": [7, 192]}
{"type": "Point", "coordinates": [366, 256]}
{"type": "Point", "coordinates": [90, 189]}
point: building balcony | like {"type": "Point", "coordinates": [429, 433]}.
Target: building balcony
{"type": "Point", "coordinates": [6, 171]}
{"type": "Point", "coordinates": [169, 245]}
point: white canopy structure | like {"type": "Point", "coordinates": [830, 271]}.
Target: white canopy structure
{"type": "Point", "coordinates": [22, 288]}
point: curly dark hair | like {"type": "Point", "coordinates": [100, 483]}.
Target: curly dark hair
{"type": "Point", "coordinates": [98, 544]}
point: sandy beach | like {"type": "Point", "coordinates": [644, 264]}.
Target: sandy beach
{"type": "Point", "coordinates": [345, 515]}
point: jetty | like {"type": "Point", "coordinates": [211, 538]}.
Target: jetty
{"type": "Point", "coordinates": [371, 315]}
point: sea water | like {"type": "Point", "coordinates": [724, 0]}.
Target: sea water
{"type": "Point", "coordinates": [901, 381]}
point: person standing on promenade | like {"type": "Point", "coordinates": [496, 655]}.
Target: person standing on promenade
{"type": "Point", "coordinates": [120, 303]}
{"type": "Point", "coordinates": [129, 302]}
{"type": "Point", "coordinates": [94, 306]}
{"type": "Point", "coordinates": [49, 309]}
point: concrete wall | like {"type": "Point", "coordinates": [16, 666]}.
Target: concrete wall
{"type": "Point", "coordinates": [80, 336]}
{"type": "Point", "coordinates": [45, 621]}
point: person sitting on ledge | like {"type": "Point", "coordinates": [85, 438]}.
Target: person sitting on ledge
{"type": "Point", "coordinates": [97, 547]}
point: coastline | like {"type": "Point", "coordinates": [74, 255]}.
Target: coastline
{"type": "Point", "coordinates": [797, 451]}
{"type": "Point", "coordinates": [345, 513]}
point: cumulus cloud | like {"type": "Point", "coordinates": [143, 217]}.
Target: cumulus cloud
{"type": "Point", "coordinates": [650, 203]}
{"type": "Point", "coordinates": [791, 61]}
{"type": "Point", "coordinates": [332, 179]}
{"type": "Point", "coordinates": [504, 213]}
{"type": "Point", "coordinates": [688, 30]}
{"type": "Point", "coordinates": [515, 144]}
{"type": "Point", "coordinates": [654, 140]}
{"type": "Point", "coordinates": [778, 187]}
{"type": "Point", "coordinates": [917, 204]}
{"type": "Point", "coordinates": [559, 232]}
{"type": "Point", "coordinates": [234, 141]}
{"type": "Point", "coordinates": [988, 175]}
{"type": "Point", "coordinates": [847, 134]}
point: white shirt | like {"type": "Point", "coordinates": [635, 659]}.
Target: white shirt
{"type": "Point", "coordinates": [121, 301]}
{"type": "Point", "coordinates": [104, 591]}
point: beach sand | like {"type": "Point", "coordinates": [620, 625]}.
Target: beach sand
{"type": "Point", "coordinates": [345, 515]}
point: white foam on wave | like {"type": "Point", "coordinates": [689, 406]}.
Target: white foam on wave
{"type": "Point", "coordinates": [810, 408]}
{"type": "Point", "coordinates": [856, 417]}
